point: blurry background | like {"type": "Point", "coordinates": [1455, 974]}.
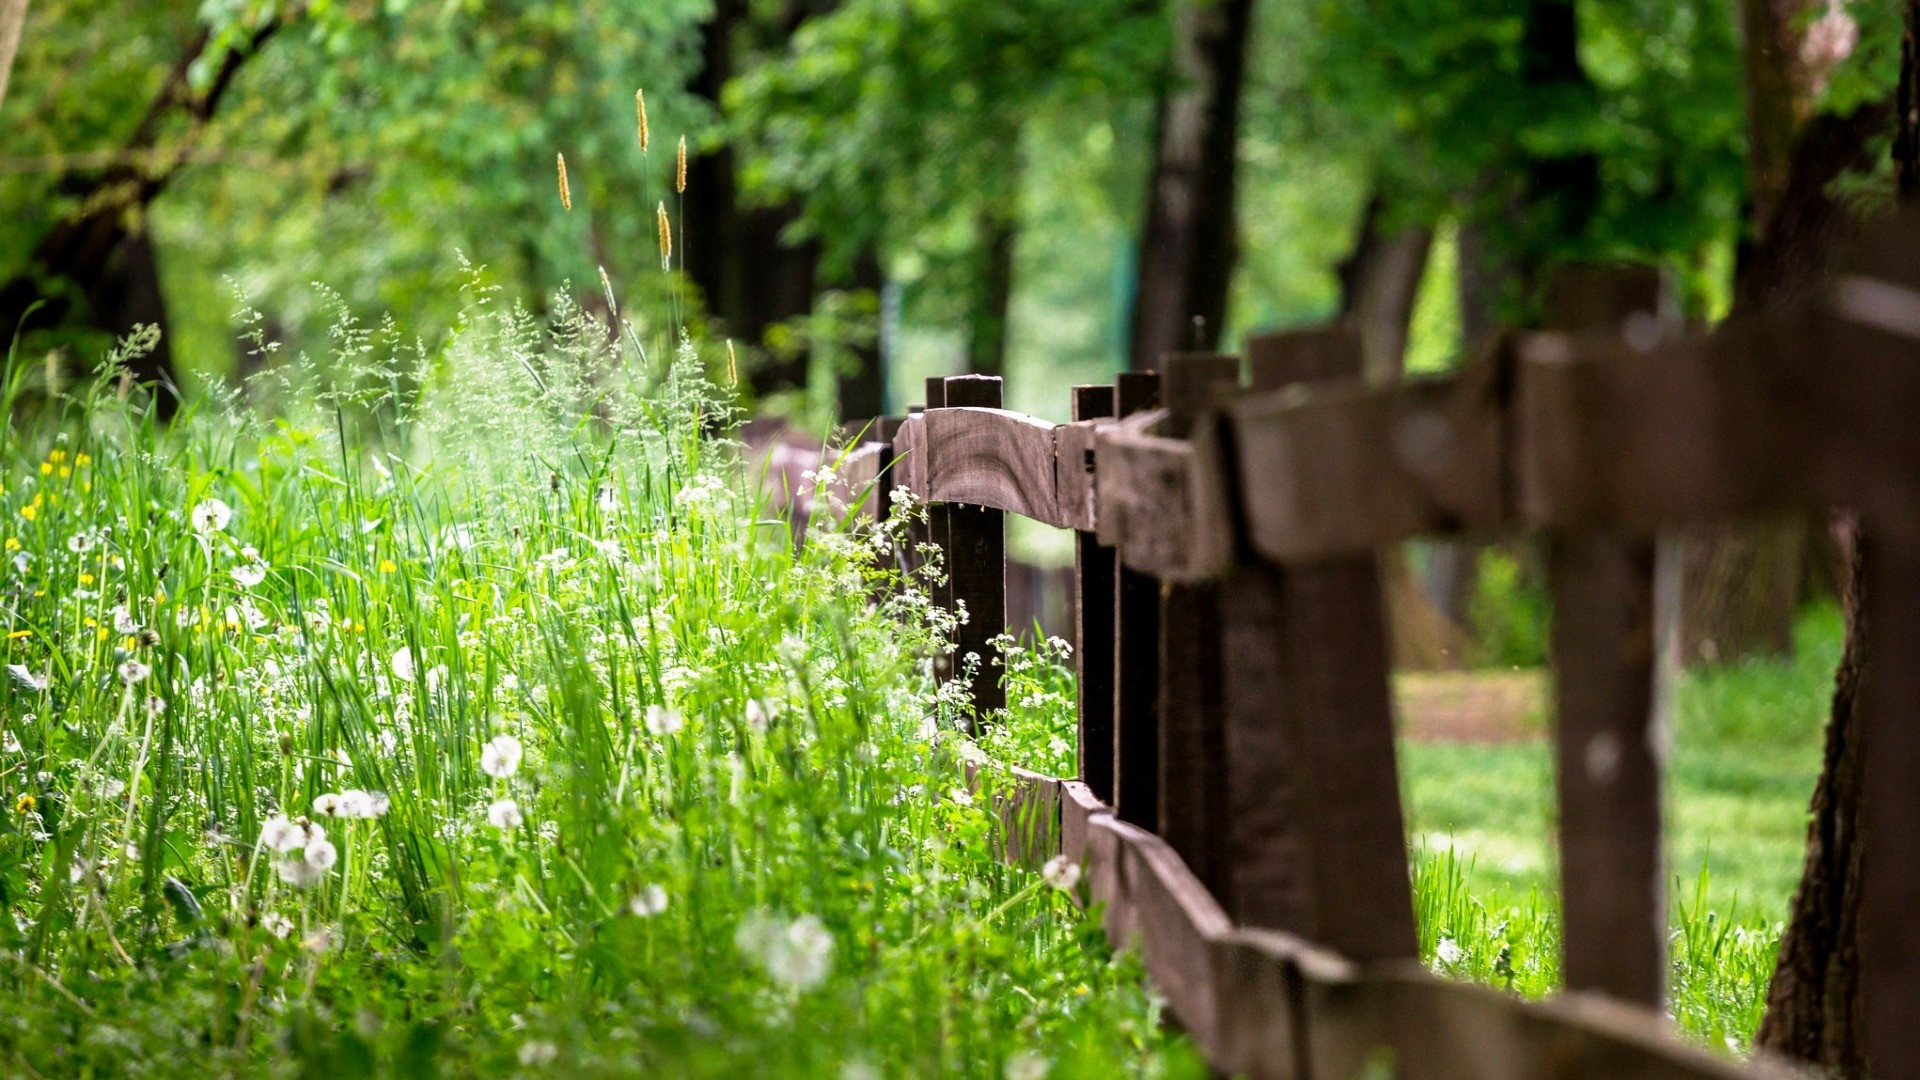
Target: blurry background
{"type": "Point", "coordinates": [881, 190]}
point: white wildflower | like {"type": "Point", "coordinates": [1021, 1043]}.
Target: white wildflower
{"type": "Point", "coordinates": [648, 902]}
{"type": "Point", "coordinates": [1449, 952]}
{"type": "Point", "coordinates": [211, 516]}
{"type": "Point", "coordinates": [504, 814]}
{"type": "Point", "coordinates": [760, 714]}
{"type": "Point", "coordinates": [1061, 872]}
{"type": "Point", "coordinates": [500, 758]}
{"type": "Point", "coordinates": [662, 720]}
{"type": "Point", "coordinates": [537, 1053]}
{"type": "Point", "coordinates": [1026, 1065]}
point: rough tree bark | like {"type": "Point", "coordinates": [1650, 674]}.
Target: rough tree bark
{"type": "Point", "coordinates": [103, 254]}
{"type": "Point", "coordinates": [1815, 1006]}
{"type": "Point", "coordinates": [1187, 248]}
{"type": "Point", "coordinates": [750, 275]}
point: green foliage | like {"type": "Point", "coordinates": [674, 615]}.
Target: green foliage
{"type": "Point", "coordinates": [611, 777]}
{"type": "Point", "coordinates": [1508, 615]}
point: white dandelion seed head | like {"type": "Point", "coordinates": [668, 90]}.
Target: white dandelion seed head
{"type": "Point", "coordinates": [327, 805]}
{"type": "Point", "coordinates": [648, 902]}
{"type": "Point", "coordinates": [1061, 872]}
{"type": "Point", "coordinates": [249, 574]}
{"type": "Point", "coordinates": [500, 757]}
{"type": "Point", "coordinates": [279, 834]}
{"type": "Point", "coordinates": [504, 814]}
{"type": "Point", "coordinates": [211, 516]}
{"type": "Point", "coordinates": [402, 664]}
{"type": "Point", "coordinates": [663, 721]}
{"type": "Point", "coordinates": [1449, 952]}
{"type": "Point", "coordinates": [133, 671]}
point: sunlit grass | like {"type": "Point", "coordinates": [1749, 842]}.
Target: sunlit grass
{"type": "Point", "coordinates": [463, 714]}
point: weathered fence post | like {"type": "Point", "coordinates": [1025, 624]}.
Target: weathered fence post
{"type": "Point", "coordinates": [1136, 655]}
{"type": "Point", "coordinates": [1316, 838]}
{"type": "Point", "coordinates": [1607, 734]}
{"type": "Point", "coordinates": [1093, 646]}
{"type": "Point", "coordinates": [1193, 792]}
{"type": "Point", "coordinates": [977, 575]}
{"type": "Point", "coordinates": [1890, 707]}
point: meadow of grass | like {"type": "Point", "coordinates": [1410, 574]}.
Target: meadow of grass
{"type": "Point", "coordinates": [454, 711]}
{"type": "Point", "coordinates": [1744, 755]}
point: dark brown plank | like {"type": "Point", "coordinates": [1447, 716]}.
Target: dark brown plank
{"type": "Point", "coordinates": [1890, 706]}
{"type": "Point", "coordinates": [977, 542]}
{"type": "Point", "coordinates": [1136, 656]}
{"type": "Point", "coordinates": [1607, 753]}
{"type": "Point", "coordinates": [1193, 768]}
{"type": "Point", "coordinates": [938, 516]}
{"type": "Point", "coordinates": [1266, 844]}
{"type": "Point", "coordinates": [1163, 502]}
{"type": "Point", "coordinates": [1347, 468]}
{"type": "Point", "coordinates": [995, 459]}
{"type": "Point", "coordinates": [1608, 765]}
{"type": "Point", "coordinates": [1093, 585]}
{"type": "Point", "coordinates": [1311, 355]}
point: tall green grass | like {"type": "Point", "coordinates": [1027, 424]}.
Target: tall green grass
{"type": "Point", "coordinates": [460, 712]}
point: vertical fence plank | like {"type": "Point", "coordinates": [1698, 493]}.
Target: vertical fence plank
{"type": "Point", "coordinates": [1606, 759]}
{"type": "Point", "coordinates": [1136, 655]}
{"type": "Point", "coordinates": [1607, 706]}
{"type": "Point", "coordinates": [1093, 591]}
{"type": "Point", "coordinates": [935, 533]}
{"type": "Point", "coordinates": [977, 542]}
{"type": "Point", "coordinates": [1316, 836]}
{"type": "Point", "coordinates": [1890, 707]}
{"type": "Point", "coordinates": [1193, 808]}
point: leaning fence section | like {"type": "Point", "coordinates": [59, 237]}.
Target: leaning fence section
{"type": "Point", "coordinates": [1236, 805]}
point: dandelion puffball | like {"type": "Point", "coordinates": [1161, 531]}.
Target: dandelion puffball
{"type": "Point", "coordinates": [504, 814]}
{"type": "Point", "coordinates": [662, 720]}
{"type": "Point", "coordinates": [1061, 872]}
{"type": "Point", "coordinates": [211, 516]}
{"type": "Point", "coordinates": [500, 758]}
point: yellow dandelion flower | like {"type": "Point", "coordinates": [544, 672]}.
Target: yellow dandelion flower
{"type": "Point", "coordinates": [66, 471]}
{"type": "Point", "coordinates": [83, 458]}
{"type": "Point", "coordinates": [25, 804]}
{"type": "Point", "coordinates": [30, 511]}
{"type": "Point", "coordinates": [56, 455]}
{"type": "Point", "coordinates": [18, 634]}
{"type": "Point", "coordinates": [102, 634]}
{"type": "Point", "coordinates": [86, 579]}
{"type": "Point", "coordinates": [13, 543]}
{"type": "Point", "coordinates": [387, 566]}
{"type": "Point", "coordinates": [46, 468]}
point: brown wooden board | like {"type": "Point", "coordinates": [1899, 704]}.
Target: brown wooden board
{"type": "Point", "coordinates": [1608, 765]}
{"type": "Point", "coordinates": [1074, 466]}
{"type": "Point", "coordinates": [1335, 711]}
{"type": "Point", "coordinates": [1163, 502]}
{"type": "Point", "coordinates": [1078, 808]}
{"type": "Point", "coordinates": [1136, 656]}
{"type": "Point", "coordinates": [1890, 707]}
{"type": "Point", "coordinates": [1193, 768]}
{"type": "Point", "coordinates": [1094, 584]}
{"type": "Point", "coordinates": [977, 543]}
{"type": "Point", "coordinates": [1311, 355]}
{"type": "Point", "coordinates": [993, 458]}
{"type": "Point", "coordinates": [1346, 468]}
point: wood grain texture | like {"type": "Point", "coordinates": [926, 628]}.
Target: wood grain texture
{"type": "Point", "coordinates": [1162, 502]}
{"type": "Point", "coordinates": [977, 544]}
{"type": "Point", "coordinates": [1074, 468]}
{"type": "Point", "coordinates": [993, 458]}
{"type": "Point", "coordinates": [1094, 568]}
{"type": "Point", "coordinates": [1608, 756]}
{"type": "Point", "coordinates": [1341, 469]}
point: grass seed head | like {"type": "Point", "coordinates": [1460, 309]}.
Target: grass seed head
{"type": "Point", "coordinates": [680, 168]}
{"type": "Point", "coordinates": [640, 113]}
{"type": "Point", "coordinates": [566, 195]}
{"type": "Point", "coordinates": [666, 237]}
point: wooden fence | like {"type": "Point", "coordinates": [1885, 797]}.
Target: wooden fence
{"type": "Point", "coordinates": [1237, 806]}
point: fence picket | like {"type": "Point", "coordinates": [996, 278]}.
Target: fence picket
{"type": "Point", "coordinates": [1607, 751]}
{"type": "Point", "coordinates": [1093, 591]}
{"type": "Point", "coordinates": [1136, 655]}
{"type": "Point", "coordinates": [977, 575]}
{"type": "Point", "coordinates": [1890, 707]}
{"type": "Point", "coordinates": [1193, 790]}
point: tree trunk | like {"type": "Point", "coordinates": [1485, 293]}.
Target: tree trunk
{"type": "Point", "coordinates": [863, 384]}
{"type": "Point", "coordinates": [1187, 247]}
{"type": "Point", "coordinates": [1379, 284]}
{"type": "Point", "coordinates": [996, 231]}
{"type": "Point", "coordinates": [737, 254]}
{"type": "Point", "coordinates": [13, 19]}
{"type": "Point", "coordinates": [1815, 1006]}
{"type": "Point", "coordinates": [104, 255]}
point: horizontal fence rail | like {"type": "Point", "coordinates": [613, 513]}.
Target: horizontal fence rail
{"type": "Point", "coordinates": [1237, 801]}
